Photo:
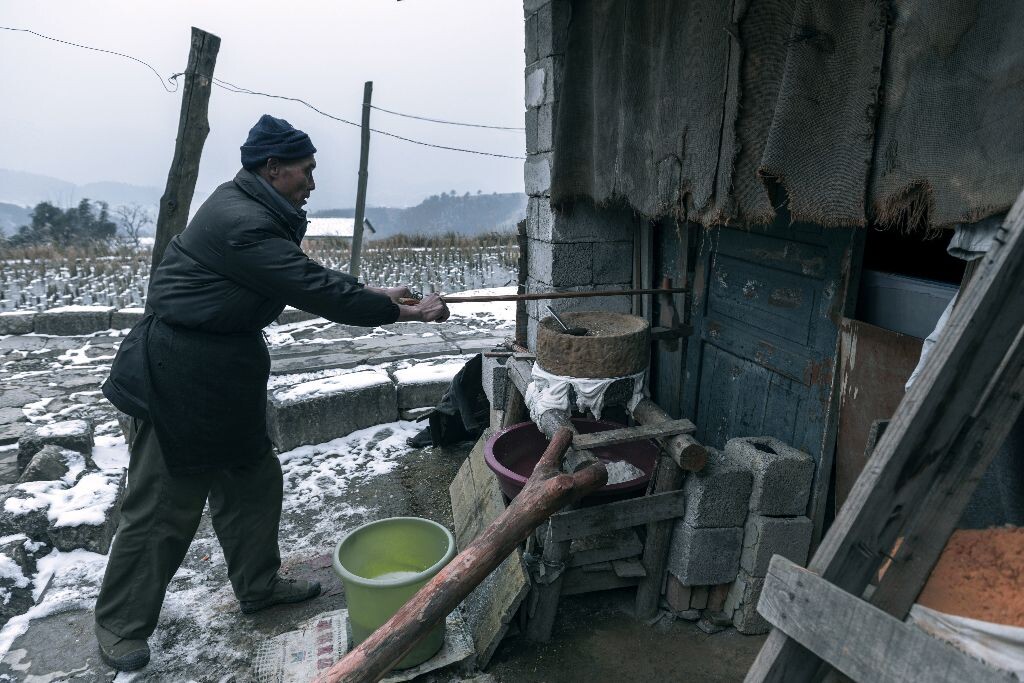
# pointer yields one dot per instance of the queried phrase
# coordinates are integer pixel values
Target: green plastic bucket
(382, 565)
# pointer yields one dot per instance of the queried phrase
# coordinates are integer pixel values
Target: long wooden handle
(544, 296)
(546, 492)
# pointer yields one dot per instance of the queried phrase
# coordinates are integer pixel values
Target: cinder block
(532, 6)
(68, 321)
(535, 86)
(494, 377)
(563, 265)
(699, 597)
(17, 322)
(613, 262)
(531, 48)
(553, 27)
(539, 219)
(718, 495)
(587, 223)
(702, 557)
(767, 536)
(537, 175)
(615, 304)
(782, 475)
(531, 132)
(294, 315)
(75, 435)
(677, 595)
(423, 385)
(544, 140)
(742, 604)
(123, 318)
(318, 411)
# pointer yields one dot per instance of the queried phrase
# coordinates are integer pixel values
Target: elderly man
(193, 377)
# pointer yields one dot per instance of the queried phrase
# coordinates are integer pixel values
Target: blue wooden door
(765, 309)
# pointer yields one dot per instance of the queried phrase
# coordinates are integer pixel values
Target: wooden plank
(874, 365)
(614, 545)
(476, 502)
(578, 581)
(565, 526)
(924, 440)
(638, 433)
(688, 453)
(667, 478)
(632, 568)
(926, 536)
(861, 641)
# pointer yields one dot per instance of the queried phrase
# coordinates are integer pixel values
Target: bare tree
(133, 219)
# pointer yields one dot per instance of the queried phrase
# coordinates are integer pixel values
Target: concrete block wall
(588, 248)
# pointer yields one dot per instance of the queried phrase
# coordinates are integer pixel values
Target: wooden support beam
(924, 441)
(193, 127)
(621, 514)
(688, 453)
(667, 478)
(859, 640)
(627, 434)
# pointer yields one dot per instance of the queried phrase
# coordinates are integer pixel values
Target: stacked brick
(589, 248)
(745, 506)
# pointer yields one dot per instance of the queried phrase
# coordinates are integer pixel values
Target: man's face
(292, 178)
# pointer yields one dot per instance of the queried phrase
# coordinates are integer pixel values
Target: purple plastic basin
(513, 452)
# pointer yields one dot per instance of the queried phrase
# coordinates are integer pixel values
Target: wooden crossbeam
(924, 442)
(860, 640)
(627, 434)
(565, 526)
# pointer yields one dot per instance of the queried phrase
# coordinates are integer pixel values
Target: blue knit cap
(277, 138)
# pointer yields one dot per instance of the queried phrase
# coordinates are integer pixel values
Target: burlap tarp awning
(905, 112)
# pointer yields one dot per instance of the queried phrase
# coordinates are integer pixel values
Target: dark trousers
(159, 518)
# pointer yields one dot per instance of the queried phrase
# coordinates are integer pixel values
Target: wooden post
(667, 477)
(193, 127)
(522, 319)
(364, 155)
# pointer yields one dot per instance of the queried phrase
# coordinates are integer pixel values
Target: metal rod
(542, 296)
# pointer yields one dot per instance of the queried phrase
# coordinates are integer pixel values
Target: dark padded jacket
(197, 367)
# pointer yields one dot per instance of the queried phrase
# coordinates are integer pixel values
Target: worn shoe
(285, 591)
(122, 654)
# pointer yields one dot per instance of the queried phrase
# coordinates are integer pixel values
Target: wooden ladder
(907, 501)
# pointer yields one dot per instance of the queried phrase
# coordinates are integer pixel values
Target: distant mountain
(28, 189)
(13, 217)
(468, 214)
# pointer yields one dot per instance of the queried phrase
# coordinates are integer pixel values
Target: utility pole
(193, 127)
(364, 154)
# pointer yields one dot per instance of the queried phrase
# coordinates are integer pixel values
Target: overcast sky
(84, 116)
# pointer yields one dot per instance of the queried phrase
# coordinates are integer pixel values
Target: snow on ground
(328, 488)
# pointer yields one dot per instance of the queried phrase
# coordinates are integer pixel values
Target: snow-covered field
(329, 488)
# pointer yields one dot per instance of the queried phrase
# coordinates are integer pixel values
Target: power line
(450, 123)
(231, 87)
(97, 49)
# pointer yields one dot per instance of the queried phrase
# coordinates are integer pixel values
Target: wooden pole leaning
(938, 429)
(546, 491)
(364, 160)
(193, 127)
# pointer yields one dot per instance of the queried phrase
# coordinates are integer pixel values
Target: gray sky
(84, 116)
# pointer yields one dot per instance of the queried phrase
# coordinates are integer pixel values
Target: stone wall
(588, 248)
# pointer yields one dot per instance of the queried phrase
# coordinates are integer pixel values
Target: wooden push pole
(546, 492)
(193, 127)
(364, 154)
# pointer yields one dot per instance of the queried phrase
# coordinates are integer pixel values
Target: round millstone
(616, 345)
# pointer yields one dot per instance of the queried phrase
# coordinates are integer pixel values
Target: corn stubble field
(38, 278)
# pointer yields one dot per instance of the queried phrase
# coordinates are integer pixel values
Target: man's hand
(430, 309)
(393, 293)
